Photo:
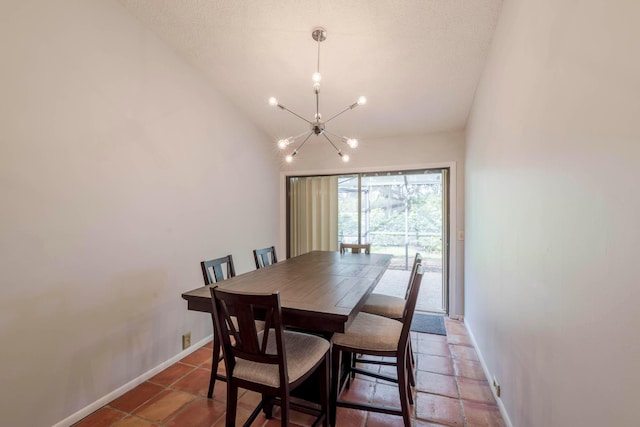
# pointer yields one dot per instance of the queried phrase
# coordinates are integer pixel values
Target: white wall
(552, 208)
(397, 153)
(120, 170)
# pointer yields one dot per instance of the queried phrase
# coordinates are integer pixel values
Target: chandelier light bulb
(345, 158)
(362, 100)
(316, 77)
(273, 101)
(282, 144)
(289, 157)
(353, 143)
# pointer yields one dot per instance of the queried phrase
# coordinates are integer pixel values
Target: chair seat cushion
(385, 305)
(370, 332)
(303, 351)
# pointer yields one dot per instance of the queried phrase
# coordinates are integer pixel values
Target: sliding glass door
(399, 213)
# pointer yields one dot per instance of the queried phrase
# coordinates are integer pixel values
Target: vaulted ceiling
(418, 62)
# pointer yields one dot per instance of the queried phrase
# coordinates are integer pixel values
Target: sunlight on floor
(394, 282)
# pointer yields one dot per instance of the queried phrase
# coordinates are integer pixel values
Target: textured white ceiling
(417, 61)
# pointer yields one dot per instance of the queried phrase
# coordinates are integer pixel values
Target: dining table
(320, 291)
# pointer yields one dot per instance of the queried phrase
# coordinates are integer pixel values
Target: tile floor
(451, 390)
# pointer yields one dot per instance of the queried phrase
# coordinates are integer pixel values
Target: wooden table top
(320, 291)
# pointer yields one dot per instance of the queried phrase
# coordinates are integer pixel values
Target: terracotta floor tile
(437, 364)
(386, 395)
(133, 421)
(249, 399)
(439, 409)
(346, 417)
(463, 352)
(296, 419)
(171, 374)
(468, 369)
(273, 422)
(455, 326)
(164, 405)
(475, 390)
(242, 415)
(459, 339)
(433, 348)
(360, 391)
(198, 357)
(176, 396)
(195, 382)
(370, 366)
(437, 384)
(200, 413)
(390, 371)
(136, 397)
(433, 337)
(103, 417)
(421, 423)
(368, 378)
(376, 419)
(301, 419)
(219, 391)
(479, 415)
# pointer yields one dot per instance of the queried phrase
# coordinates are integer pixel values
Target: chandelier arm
(341, 138)
(295, 114)
(331, 142)
(303, 142)
(350, 107)
(300, 134)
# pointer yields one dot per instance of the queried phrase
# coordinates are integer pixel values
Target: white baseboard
(503, 410)
(92, 407)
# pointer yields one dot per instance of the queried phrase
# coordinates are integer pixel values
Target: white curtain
(313, 214)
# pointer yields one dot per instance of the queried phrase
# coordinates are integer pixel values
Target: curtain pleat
(314, 214)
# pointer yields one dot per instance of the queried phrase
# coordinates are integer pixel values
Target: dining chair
(272, 361)
(265, 257)
(355, 248)
(377, 336)
(215, 271)
(393, 308)
(388, 305)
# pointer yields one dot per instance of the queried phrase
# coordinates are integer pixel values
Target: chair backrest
(264, 257)
(417, 260)
(410, 305)
(249, 343)
(355, 248)
(213, 271)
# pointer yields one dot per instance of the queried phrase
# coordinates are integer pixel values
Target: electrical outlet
(186, 340)
(496, 386)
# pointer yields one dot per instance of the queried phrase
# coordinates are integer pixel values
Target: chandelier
(317, 125)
